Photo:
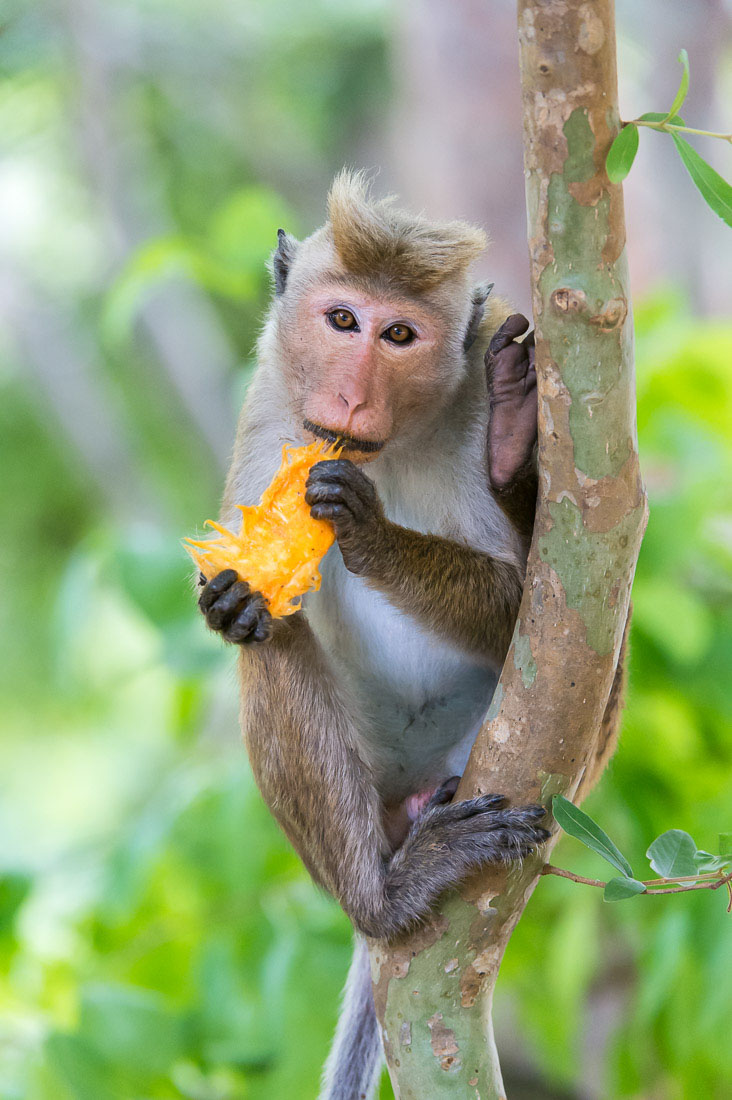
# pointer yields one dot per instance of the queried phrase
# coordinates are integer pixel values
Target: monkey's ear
(282, 258)
(478, 299)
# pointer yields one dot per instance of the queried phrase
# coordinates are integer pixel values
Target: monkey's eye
(343, 319)
(398, 334)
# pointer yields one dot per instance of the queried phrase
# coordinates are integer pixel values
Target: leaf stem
(711, 880)
(550, 869)
(683, 878)
(669, 127)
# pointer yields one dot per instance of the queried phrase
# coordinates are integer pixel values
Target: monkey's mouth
(348, 442)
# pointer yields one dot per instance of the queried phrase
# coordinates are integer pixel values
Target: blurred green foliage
(158, 938)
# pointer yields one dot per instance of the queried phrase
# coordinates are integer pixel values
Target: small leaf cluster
(715, 190)
(673, 855)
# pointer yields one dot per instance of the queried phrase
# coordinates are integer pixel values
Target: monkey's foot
(512, 393)
(234, 611)
(443, 846)
(479, 830)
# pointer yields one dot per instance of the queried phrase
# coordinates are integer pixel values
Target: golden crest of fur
(373, 235)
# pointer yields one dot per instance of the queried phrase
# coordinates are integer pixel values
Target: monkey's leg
(304, 748)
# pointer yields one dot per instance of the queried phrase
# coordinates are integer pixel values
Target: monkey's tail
(354, 1064)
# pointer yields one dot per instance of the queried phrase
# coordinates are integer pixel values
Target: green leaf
(725, 845)
(581, 826)
(621, 154)
(617, 889)
(715, 190)
(683, 86)
(705, 861)
(672, 854)
(659, 116)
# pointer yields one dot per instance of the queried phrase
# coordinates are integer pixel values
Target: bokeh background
(158, 938)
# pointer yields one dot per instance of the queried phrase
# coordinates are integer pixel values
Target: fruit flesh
(280, 546)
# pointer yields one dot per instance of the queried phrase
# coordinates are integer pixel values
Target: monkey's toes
(483, 804)
(445, 792)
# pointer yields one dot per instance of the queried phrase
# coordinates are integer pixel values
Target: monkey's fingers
(512, 327)
(215, 587)
(228, 604)
(253, 623)
(343, 477)
(335, 493)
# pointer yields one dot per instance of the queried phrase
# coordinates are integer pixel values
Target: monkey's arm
(468, 596)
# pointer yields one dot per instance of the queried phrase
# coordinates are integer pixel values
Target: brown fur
(374, 236)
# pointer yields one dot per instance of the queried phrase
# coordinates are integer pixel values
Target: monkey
(359, 711)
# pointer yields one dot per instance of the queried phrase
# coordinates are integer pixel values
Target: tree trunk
(434, 988)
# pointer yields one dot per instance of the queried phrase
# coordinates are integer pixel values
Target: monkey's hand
(339, 491)
(233, 610)
(511, 378)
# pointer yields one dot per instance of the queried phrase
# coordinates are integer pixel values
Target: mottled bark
(434, 989)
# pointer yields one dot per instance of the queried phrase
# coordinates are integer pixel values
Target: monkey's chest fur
(418, 702)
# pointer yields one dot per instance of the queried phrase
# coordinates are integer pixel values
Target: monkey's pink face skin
(361, 365)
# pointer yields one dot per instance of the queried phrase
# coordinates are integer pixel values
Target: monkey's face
(362, 367)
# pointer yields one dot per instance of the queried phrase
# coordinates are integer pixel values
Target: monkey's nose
(352, 406)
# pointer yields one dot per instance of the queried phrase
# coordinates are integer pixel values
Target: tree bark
(434, 989)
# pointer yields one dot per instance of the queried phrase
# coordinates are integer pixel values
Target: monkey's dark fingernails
(530, 340)
(215, 587)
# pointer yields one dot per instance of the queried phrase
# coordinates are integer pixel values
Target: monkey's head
(371, 319)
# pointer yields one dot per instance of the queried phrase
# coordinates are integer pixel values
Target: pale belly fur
(417, 701)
